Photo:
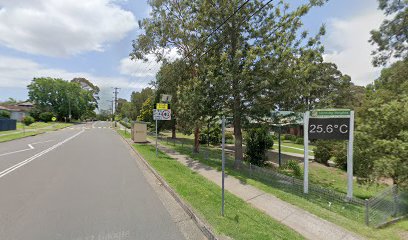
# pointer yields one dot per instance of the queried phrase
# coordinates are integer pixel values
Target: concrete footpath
(305, 223)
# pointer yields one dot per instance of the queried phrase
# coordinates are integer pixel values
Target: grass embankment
(348, 216)
(241, 221)
(34, 129)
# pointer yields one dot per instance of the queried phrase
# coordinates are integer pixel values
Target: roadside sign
(329, 124)
(54, 119)
(162, 106)
(162, 114)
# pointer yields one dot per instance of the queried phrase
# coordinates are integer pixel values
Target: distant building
(19, 110)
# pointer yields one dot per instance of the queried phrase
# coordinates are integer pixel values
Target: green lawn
(34, 129)
(336, 179)
(241, 221)
(349, 216)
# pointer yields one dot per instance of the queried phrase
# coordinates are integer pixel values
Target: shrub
(229, 137)
(289, 137)
(4, 114)
(258, 141)
(28, 120)
(46, 116)
(322, 151)
(339, 155)
(214, 135)
(294, 167)
(299, 140)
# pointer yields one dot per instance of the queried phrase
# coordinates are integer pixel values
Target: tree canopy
(61, 98)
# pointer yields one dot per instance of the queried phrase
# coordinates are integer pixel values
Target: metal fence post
(250, 169)
(395, 199)
(367, 214)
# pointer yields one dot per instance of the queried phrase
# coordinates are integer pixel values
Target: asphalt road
(79, 183)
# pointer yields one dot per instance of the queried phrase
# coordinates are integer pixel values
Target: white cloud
(347, 45)
(62, 28)
(139, 68)
(18, 72)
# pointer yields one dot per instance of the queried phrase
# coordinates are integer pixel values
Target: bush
(214, 135)
(323, 151)
(258, 141)
(299, 140)
(289, 137)
(4, 114)
(331, 150)
(46, 116)
(339, 155)
(294, 167)
(229, 137)
(28, 120)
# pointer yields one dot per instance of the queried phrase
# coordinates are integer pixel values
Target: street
(77, 183)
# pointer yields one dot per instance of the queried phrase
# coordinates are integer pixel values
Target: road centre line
(18, 165)
(23, 150)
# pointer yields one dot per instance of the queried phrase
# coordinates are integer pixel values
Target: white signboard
(162, 114)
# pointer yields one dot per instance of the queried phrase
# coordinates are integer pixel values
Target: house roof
(14, 108)
(4, 108)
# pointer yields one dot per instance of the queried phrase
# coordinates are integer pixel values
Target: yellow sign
(54, 119)
(162, 106)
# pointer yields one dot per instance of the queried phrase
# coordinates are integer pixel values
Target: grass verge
(348, 216)
(33, 129)
(241, 221)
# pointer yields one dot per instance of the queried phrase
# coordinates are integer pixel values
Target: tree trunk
(237, 133)
(196, 140)
(173, 129)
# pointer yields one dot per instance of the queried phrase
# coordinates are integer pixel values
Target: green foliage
(46, 116)
(61, 97)
(146, 113)
(323, 151)
(28, 120)
(289, 137)
(229, 137)
(214, 134)
(299, 140)
(258, 59)
(4, 114)
(392, 37)
(294, 168)
(382, 128)
(258, 141)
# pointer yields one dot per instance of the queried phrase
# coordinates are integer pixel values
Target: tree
(392, 37)
(240, 61)
(382, 128)
(60, 97)
(138, 98)
(146, 113)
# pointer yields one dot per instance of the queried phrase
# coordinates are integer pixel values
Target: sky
(92, 39)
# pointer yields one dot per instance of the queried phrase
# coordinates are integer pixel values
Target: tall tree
(61, 97)
(240, 59)
(382, 127)
(392, 37)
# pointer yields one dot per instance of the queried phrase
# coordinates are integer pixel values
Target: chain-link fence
(376, 211)
(390, 204)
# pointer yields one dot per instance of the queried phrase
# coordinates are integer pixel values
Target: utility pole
(116, 100)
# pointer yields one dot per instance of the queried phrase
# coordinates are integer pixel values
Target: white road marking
(93, 125)
(30, 147)
(18, 165)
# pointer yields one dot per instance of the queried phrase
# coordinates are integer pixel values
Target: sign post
(223, 163)
(329, 124)
(163, 113)
(350, 158)
(306, 152)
